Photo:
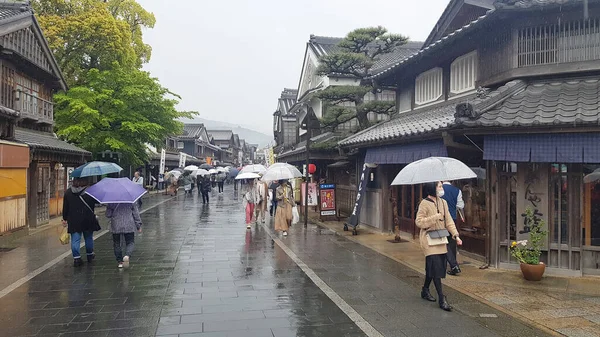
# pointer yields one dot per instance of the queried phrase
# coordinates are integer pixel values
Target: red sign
(327, 192)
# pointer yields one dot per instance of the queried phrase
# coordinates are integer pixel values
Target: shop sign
(327, 192)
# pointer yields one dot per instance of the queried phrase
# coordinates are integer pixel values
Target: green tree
(357, 53)
(121, 109)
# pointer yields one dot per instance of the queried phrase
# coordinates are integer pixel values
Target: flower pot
(532, 272)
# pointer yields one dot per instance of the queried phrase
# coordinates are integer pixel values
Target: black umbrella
(206, 166)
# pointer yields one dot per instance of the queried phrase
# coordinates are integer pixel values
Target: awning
(543, 148)
(405, 153)
(339, 164)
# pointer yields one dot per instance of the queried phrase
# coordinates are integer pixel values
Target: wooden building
(29, 78)
(513, 92)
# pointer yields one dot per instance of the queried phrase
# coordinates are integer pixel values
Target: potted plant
(528, 252)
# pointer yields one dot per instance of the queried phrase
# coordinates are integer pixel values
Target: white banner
(267, 158)
(163, 155)
(182, 157)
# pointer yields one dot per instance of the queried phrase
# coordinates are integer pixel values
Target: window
(428, 86)
(404, 103)
(463, 73)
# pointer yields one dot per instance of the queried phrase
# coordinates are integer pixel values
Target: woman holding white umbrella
(285, 202)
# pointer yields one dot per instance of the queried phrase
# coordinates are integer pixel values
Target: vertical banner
(312, 194)
(209, 160)
(271, 156)
(69, 177)
(327, 192)
(353, 221)
(163, 157)
(267, 153)
(182, 157)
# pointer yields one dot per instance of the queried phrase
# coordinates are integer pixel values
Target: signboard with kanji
(312, 194)
(327, 192)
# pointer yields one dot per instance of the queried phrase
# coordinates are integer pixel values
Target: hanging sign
(182, 157)
(353, 221)
(163, 157)
(327, 192)
(312, 194)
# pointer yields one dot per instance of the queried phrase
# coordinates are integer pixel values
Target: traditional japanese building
(514, 94)
(29, 77)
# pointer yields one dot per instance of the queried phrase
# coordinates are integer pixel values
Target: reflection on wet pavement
(195, 270)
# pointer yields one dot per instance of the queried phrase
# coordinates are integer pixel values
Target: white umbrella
(199, 172)
(433, 169)
(592, 177)
(281, 173)
(191, 168)
(247, 175)
(212, 171)
(175, 173)
(254, 168)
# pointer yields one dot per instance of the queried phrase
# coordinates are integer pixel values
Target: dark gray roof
(548, 102)
(10, 10)
(220, 134)
(9, 112)
(286, 101)
(192, 130)
(301, 147)
(524, 4)
(46, 141)
(323, 45)
(413, 123)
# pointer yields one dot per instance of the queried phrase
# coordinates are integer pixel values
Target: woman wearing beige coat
(285, 202)
(433, 215)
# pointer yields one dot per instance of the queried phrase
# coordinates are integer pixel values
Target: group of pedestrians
(81, 221)
(256, 197)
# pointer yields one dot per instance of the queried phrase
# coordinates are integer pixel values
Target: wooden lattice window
(463, 73)
(428, 86)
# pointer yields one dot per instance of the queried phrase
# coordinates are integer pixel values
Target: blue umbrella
(95, 168)
(233, 172)
(116, 191)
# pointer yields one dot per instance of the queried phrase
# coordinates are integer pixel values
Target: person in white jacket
(261, 195)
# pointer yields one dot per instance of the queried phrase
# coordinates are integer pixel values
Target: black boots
(454, 271)
(91, 257)
(77, 262)
(444, 304)
(426, 295)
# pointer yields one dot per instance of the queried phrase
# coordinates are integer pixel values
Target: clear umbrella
(247, 175)
(254, 168)
(592, 177)
(281, 173)
(199, 172)
(191, 168)
(433, 169)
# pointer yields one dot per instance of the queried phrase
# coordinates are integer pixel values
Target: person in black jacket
(204, 188)
(80, 219)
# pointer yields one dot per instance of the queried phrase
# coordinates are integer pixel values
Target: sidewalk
(42, 246)
(563, 306)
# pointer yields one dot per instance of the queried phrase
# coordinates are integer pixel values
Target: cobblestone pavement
(197, 271)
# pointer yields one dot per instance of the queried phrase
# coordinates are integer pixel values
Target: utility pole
(309, 113)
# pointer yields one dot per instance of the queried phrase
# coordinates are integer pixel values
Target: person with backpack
(435, 223)
(453, 197)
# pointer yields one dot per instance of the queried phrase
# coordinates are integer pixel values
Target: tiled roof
(286, 101)
(467, 28)
(413, 123)
(549, 102)
(323, 45)
(301, 147)
(192, 130)
(46, 141)
(220, 134)
(10, 10)
(523, 4)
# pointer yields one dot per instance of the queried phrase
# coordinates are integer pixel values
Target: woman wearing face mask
(433, 218)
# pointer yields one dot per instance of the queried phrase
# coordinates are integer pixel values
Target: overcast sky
(230, 60)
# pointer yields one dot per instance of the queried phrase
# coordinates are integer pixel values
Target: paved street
(196, 271)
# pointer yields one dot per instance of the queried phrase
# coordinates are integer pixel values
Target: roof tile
(45, 140)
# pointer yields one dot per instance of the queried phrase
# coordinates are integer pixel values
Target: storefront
(545, 172)
(14, 160)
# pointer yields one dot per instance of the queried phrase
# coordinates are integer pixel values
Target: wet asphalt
(197, 271)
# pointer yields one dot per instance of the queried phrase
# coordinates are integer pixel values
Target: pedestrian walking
(273, 190)
(453, 197)
(124, 222)
(186, 181)
(138, 179)
(161, 181)
(220, 181)
(285, 201)
(204, 188)
(80, 219)
(261, 197)
(248, 201)
(435, 222)
(213, 180)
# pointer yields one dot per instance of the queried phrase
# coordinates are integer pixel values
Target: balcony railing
(34, 108)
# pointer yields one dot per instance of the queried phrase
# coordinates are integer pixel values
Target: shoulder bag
(438, 237)
(96, 222)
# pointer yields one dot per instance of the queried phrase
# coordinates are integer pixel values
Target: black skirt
(435, 266)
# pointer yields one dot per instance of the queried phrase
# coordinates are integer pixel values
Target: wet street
(197, 271)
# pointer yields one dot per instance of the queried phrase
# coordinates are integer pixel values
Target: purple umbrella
(116, 191)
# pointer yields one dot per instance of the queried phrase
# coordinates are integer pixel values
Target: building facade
(512, 93)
